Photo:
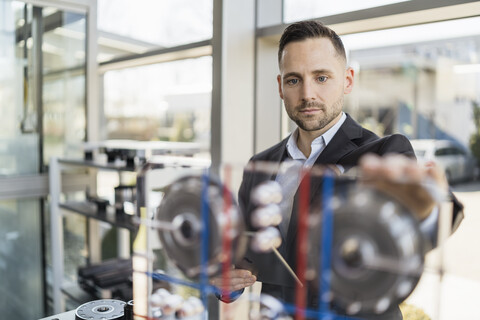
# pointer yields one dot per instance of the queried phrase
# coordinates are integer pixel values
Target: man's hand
(235, 279)
(417, 186)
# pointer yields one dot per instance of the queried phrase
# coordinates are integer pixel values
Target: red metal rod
(302, 244)
(144, 317)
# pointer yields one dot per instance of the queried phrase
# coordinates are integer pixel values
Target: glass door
(42, 114)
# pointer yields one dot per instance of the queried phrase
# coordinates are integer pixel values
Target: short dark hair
(302, 30)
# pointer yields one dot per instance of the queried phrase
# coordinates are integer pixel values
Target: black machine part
(181, 207)
(128, 310)
(377, 255)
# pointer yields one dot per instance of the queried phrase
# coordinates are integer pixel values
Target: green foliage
(475, 146)
(476, 115)
(475, 138)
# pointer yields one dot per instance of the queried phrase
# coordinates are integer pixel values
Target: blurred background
(204, 71)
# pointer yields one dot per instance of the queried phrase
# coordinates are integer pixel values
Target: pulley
(182, 207)
(377, 254)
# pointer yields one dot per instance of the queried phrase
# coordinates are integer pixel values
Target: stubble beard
(315, 122)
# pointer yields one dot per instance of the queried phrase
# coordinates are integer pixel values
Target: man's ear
(280, 90)
(349, 75)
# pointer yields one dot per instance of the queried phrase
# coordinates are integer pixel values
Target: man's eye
(322, 78)
(292, 81)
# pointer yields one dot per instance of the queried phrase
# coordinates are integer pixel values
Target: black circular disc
(181, 206)
(377, 253)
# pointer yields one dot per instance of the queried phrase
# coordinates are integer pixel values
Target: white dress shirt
(289, 173)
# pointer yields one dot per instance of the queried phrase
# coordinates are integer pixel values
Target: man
(313, 80)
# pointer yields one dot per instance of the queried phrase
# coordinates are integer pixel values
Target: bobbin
(105, 309)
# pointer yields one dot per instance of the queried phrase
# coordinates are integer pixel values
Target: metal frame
(217, 80)
(78, 6)
(57, 166)
(56, 235)
(37, 185)
(186, 51)
(56, 231)
(37, 36)
(391, 10)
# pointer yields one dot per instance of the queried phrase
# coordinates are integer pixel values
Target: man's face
(312, 82)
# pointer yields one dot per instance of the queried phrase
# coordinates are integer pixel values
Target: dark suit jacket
(346, 148)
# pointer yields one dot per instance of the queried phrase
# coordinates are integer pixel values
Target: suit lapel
(340, 145)
(280, 155)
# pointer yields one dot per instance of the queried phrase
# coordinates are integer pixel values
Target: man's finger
(233, 280)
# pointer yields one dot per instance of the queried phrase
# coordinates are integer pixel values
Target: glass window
(152, 24)
(442, 152)
(21, 283)
(64, 40)
(457, 151)
(64, 115)
(19, 138)
(64, 93)
(168, 101)
(420, 81)
(296, 10)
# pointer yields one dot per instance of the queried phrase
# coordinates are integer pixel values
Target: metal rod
(302, 243)
(327, 243)
(387, 264)
(37, 36)
(205, 236)
(157, 224)
(280, 257)
(226, 239)
(284, 262)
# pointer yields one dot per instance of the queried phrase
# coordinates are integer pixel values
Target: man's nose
(308, 91)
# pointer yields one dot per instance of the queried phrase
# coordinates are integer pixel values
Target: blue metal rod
(325, 255)
(309, 313)
(207, 289)
(210, 289)
(205, 234)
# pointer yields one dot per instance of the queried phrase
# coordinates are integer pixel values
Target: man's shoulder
(356, 132)
(364, 137)
(395, 143)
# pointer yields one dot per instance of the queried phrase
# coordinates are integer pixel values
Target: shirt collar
(292, 147)
(328, 136)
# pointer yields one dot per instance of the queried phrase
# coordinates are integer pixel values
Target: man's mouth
(309, 111)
